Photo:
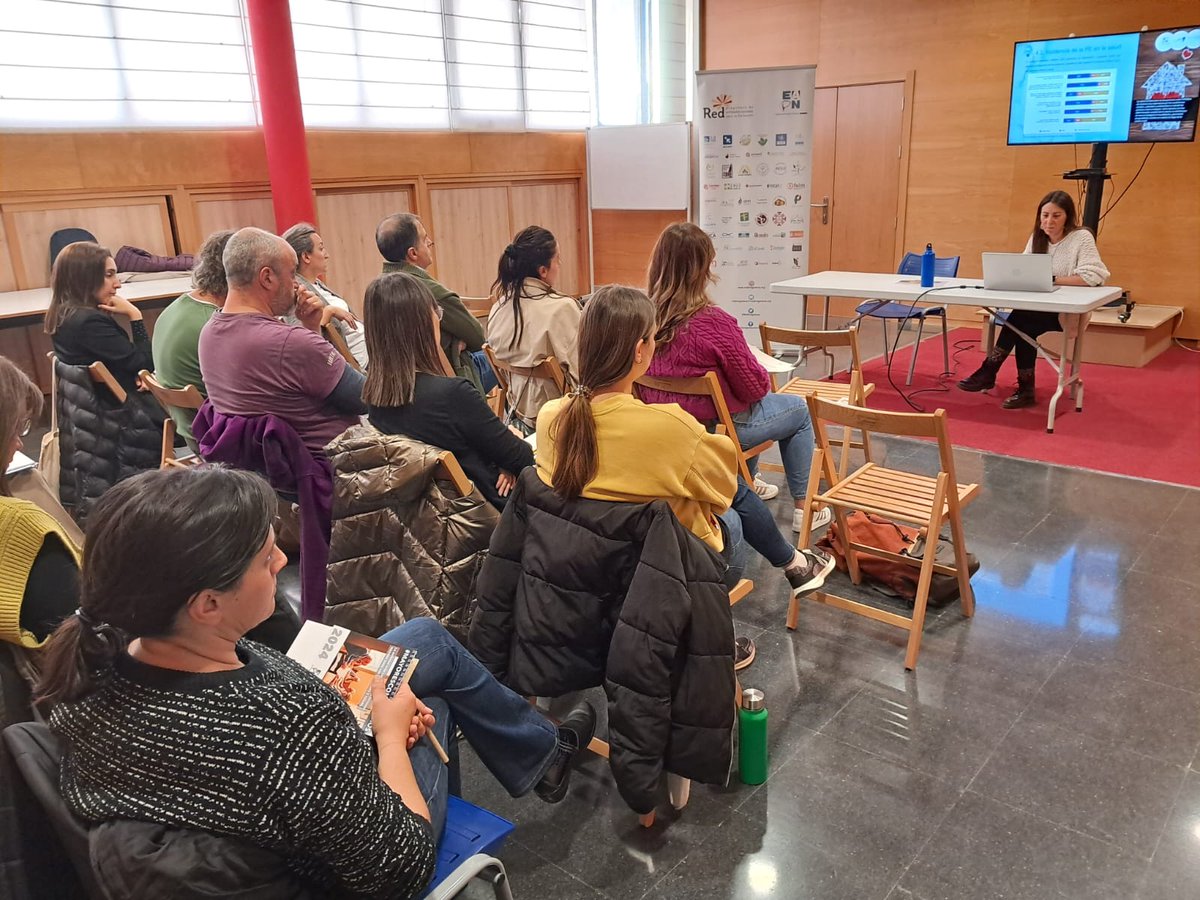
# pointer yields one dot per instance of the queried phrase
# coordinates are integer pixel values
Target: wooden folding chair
(708, 386)
(920, 500)
(855, 393)
(186, 397)
(679, 790)
(450, 470)
(549, 369)
(479, 307)
(332, 334)
(101, 375)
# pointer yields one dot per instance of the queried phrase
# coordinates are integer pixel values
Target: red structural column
(283, 120)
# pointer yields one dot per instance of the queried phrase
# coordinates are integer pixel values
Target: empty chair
(927, 502)
(944, 267)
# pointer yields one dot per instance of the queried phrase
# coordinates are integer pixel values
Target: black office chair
(65, 236)
(36, 753)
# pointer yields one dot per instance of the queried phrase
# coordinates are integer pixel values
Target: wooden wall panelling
(622, 241)
(470, 226)
(15, 344)
(138, 221)
(8, 277)
(968, 191)
(215, 212)
(554, 206)
(347, 220)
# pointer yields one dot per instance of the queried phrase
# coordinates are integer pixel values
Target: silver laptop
(1018, 272)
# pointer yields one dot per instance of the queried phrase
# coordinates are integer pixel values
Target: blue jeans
(483, 366)
(515, 741)
(759, 529)
(782, 418)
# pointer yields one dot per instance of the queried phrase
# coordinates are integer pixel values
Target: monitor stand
(1093, 177)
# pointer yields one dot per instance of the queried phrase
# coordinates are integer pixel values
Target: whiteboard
(639, 166)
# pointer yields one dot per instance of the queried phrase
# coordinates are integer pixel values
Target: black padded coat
(101, 441)
(574, 594)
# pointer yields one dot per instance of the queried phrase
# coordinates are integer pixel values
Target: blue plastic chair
(469, 839)
(943, 267)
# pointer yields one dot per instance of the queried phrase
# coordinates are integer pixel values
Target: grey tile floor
(1045, 748)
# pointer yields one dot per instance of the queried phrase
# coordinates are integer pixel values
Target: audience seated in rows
(696, 336)
(312, 266)
(255, 365)
(531, 321)
(83, 301)
(406, 247)
(176, 339)
(408, 393)
(233, 738)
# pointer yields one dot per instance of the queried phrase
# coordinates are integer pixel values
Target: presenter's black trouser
(1031, 323)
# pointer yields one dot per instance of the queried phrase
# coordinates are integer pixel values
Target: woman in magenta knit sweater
(696, 336)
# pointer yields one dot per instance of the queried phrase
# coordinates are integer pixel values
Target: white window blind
(420, 64)
(72, 63)
(462, 64)
(642, 61)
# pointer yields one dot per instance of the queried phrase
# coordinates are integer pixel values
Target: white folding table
(1067, 300)
(28, 307)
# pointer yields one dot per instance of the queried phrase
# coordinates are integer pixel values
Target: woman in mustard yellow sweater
(602, 443)
(39, 563)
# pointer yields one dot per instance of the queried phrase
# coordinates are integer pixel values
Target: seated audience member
(39, 562)
(531, 321)
(255, 365)
(1074, 260)
(176, 339)
(407, 392)
(406, 247)
(233, 738)
(312, 266)
(83, 300)
(602, 443)
(697, 336)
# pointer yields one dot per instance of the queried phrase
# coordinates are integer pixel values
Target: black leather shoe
(575, 732)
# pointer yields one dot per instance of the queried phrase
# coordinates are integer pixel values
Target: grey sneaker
(809, 575)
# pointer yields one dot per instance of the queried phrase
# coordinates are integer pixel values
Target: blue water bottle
(927, 259)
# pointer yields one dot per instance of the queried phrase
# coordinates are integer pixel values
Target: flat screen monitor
(1138, 87)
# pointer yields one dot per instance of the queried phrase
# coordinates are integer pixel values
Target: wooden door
(857, 154)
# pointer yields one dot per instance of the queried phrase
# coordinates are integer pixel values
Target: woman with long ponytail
(531, 320)
(602, 443)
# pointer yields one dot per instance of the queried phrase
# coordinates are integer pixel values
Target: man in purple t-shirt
(253, 364)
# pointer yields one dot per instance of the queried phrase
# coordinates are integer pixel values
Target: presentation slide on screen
(1118, 87)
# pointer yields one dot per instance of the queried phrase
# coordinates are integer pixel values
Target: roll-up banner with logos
(753, 132)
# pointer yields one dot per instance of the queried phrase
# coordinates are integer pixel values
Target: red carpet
(1140, 422)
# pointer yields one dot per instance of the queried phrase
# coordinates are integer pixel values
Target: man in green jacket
(406, 247)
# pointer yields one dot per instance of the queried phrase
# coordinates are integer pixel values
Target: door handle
(824, 208)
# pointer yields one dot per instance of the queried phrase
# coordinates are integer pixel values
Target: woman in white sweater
(1075, 261)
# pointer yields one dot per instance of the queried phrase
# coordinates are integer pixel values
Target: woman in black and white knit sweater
(168, 715)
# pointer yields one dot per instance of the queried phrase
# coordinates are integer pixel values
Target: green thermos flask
(752, 737)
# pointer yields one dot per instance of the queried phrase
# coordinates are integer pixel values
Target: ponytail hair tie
(581, 391)
(510, 251)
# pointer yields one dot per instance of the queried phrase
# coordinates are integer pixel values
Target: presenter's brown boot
(984, 377)
(1023, 395)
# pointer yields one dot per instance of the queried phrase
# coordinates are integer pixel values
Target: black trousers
(1031, 323)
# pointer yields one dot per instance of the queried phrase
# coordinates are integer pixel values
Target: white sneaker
(765, 489)
(821, 518)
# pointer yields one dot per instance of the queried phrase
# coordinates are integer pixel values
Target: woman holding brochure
(1075, 261)
(167, 714)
